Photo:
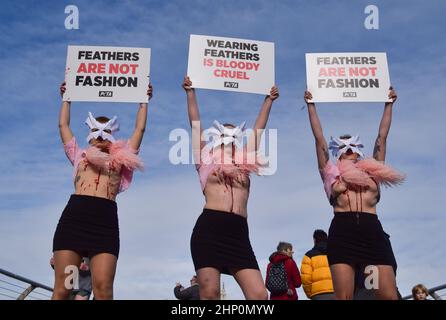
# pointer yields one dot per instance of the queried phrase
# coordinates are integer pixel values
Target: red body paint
(97, 180)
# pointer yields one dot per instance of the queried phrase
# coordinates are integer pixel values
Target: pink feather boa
(119, 155)
(244, 165)
(357, 173)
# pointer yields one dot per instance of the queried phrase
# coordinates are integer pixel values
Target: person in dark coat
(191, 293)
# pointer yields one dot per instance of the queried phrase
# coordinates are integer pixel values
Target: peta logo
(350, 94)
(106, 94)
(231, 84)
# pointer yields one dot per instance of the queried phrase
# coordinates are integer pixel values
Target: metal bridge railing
(20, 288)
(13, 286)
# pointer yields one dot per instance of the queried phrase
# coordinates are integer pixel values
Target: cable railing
(27, 289)
(15, 287)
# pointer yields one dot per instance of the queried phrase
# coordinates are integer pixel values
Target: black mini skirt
(221, 240)
(88, 226)
(358, 239)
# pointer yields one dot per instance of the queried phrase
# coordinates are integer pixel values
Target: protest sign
(348, 77)
(231, 64)
(111, 74)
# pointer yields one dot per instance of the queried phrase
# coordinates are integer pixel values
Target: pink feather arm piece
(382, 173)
(120, 155)
(352, 174)
(329, 175)
(97, 158)
(358, 173)
(123, 155)
(244, 165)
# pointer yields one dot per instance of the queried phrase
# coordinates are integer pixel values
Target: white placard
(231, 64)
(348, 76)
(107, 74)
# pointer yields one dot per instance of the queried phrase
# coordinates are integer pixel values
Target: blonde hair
(284, 246)
(419, 287)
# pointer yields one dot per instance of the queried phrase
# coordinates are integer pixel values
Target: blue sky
(155, 231)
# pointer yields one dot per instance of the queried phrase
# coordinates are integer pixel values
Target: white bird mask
(340, 146)
(111, 125)
(223, 135)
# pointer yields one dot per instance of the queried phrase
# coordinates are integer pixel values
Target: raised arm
(64, 118)
(321, 143)
(192, 105)
(141, 121)
(263, 116)
(194, 114)
(379, 151)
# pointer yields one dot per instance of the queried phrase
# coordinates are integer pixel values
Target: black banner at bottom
(227, 309)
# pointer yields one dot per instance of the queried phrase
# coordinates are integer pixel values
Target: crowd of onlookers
(283, 276)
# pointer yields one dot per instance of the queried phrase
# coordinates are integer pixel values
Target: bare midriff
(91, 181)
(229, 197)
(358, 199)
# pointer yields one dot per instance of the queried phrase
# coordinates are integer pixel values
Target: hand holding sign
(150, 91)
(308, 97)
(392, 95)
(274, 93)
(187, 84)
(63, 88)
